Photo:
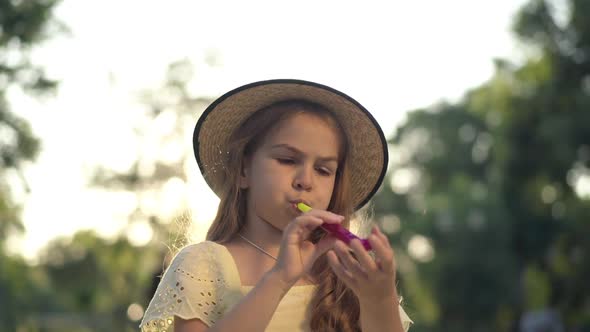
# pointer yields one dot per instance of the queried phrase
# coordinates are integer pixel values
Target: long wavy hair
(334, 305)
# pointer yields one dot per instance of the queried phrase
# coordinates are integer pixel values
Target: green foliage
(96, 279)
(88, 283)
(83, 283)
(23, 25)
(496, 187)
(23, 289)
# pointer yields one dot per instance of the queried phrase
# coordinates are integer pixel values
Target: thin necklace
(257, 247)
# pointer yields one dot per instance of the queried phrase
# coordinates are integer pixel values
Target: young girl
(266, 266)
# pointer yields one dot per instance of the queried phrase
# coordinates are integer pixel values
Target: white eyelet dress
(203, 282)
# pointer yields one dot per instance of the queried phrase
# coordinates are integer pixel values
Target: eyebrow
(297, 151)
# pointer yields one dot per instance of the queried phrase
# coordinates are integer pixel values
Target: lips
(293, 204)
(297, 201)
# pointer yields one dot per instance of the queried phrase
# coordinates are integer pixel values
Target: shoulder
(205, 261)
(205, 248)
(202, 251)
(199, 283)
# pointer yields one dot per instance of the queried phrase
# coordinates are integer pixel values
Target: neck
(262, 233)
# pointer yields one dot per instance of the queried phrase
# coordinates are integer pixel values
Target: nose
(303, 179)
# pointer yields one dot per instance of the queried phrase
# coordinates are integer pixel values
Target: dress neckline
(234, 270)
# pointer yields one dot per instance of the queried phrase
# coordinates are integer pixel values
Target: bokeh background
(486, 106)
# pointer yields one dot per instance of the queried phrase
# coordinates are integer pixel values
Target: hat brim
(368, 147)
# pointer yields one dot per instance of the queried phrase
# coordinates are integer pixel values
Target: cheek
(266, 180)
(327, 190)
(267, 175)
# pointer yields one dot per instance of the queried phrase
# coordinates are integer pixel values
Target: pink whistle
(338, 231)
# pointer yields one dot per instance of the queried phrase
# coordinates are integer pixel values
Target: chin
(279, 222)
(281, 226)
(282, 223)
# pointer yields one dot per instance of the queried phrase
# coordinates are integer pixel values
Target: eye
(324, 171)
(286, 161)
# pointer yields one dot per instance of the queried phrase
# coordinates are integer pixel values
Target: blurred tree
(88, 283)
(97, 284)
(23, 25)
(165, 135)
(23, 289)
(494, 191)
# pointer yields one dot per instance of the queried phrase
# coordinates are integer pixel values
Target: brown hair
(334, 306)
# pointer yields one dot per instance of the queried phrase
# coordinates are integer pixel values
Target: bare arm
(381, 316)
(252, 313)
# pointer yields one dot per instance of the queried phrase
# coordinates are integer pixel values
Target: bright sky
(392, 56)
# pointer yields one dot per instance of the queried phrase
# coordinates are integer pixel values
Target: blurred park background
(487, 199)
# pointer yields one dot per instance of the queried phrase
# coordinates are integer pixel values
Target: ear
(244, 177)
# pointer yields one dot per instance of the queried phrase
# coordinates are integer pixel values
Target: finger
(375, 230)
(383, 253)
(339, 269)
(380, 234)
(302, 226)
(349, 262)
(308, 222)
(327, 216)
(363, 257)
(384, 238)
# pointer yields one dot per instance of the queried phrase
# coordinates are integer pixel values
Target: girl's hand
(297, 254)
(370, 279)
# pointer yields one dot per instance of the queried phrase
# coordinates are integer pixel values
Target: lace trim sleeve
(406, 321)
(196, 285)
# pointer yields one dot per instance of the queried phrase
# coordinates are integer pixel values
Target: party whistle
(339, 232)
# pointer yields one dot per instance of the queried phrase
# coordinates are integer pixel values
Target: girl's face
(296, 162)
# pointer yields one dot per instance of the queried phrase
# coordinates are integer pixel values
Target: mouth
(297, 201)
(294, 203)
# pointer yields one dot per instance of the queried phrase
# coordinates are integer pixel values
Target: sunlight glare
(420, 248)
(139, 233)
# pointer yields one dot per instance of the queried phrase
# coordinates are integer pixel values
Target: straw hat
(368, 148)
